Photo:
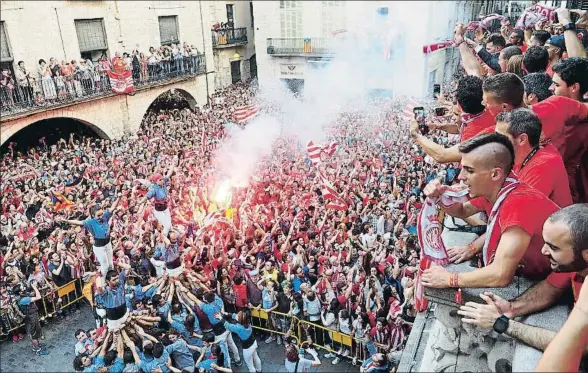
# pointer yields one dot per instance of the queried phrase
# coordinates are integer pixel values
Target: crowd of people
(55, 81)
(180, 274)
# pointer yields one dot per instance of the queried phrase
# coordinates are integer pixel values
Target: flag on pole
(307, 45)
(315, 151)
(244, 113)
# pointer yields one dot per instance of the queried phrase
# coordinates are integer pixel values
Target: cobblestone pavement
(59, 339)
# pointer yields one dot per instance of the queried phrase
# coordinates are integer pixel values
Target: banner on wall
(291, 69)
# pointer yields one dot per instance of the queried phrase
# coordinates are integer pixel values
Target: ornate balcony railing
(229, 37)
(311, 46)
(85, 85)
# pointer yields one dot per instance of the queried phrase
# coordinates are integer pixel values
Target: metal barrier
(51, 303)
(322, 337)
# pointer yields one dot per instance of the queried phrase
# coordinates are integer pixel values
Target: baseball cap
(558, 42)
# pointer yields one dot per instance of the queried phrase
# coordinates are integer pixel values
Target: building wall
(114, 115)
(44, 29)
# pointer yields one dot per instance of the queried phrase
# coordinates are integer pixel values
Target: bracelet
(454, 280)
(472, 248)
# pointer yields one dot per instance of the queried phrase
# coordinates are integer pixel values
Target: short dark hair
(496, 39)
(521, 121)
(469, 94)
(209, 297)
(573, 70)
(576, 218)
(538, 84)
(19, 62)
(542, 36)
(157, 350)
(110, 274)
(491, 138)
(507, 87)
(510, 51)
(109, 357)
(77, 363)
(536, 59)
(78, 332)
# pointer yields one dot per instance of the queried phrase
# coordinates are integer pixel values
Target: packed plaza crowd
(178, 274)
(54, 81)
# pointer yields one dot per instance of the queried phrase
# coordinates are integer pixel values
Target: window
(230, 15)
(91, 35)
(168, 30)
(291, 19)
(332, 17)
(5, 54)
(432, 80)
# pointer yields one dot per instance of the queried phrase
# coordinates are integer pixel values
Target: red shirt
(545, 171)
(472, 126)
(555, 112)
(528, 209)
(565, 280)
(576, 160)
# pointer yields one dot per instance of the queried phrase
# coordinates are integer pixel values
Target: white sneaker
(279, 340)
(330, 355)
(346, 352)
(354, 361)
(269, 340)
(336, 361)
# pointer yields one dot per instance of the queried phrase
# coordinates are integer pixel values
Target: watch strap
(570, 26)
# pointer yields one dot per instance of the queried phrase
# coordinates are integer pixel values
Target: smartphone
(436, 91)
(419, 113)
(440, 111)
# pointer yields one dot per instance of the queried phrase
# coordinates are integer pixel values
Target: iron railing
(227, 37)
(89, 84)
(320, 46)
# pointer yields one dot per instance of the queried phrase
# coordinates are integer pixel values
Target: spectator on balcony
(566, 245)
(104, 66)
(86, 77)
(77, 77)
(516, 214)
(136, 65)
(60, 85)
(54, 66)
(166, 58)
(7, 86)
(540, 167)
(67, 74)
(178, 58)
(45, 75)
(25, 83)
(144, 76)
(153, 60)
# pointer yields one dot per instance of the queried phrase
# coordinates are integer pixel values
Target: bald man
(516, 213)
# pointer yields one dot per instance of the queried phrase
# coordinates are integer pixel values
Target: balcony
(229, 37)
(89, 85)
(302, 46)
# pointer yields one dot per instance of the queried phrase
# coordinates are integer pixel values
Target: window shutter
(168, 29)
(5, 54)
(91, 36)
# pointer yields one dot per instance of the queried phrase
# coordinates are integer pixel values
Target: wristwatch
(570, 26)
(501, 324)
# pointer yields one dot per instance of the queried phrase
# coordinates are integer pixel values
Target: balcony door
(235, 71)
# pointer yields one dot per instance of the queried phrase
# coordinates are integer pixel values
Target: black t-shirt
(283, 303)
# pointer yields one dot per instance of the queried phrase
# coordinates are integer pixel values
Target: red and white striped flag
(314, 151)
(244, 113)
(333, 201)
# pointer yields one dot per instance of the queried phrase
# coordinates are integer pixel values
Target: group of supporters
(326, 245)
(523, 154)
(56, 81)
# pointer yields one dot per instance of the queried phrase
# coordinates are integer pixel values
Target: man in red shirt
(505, 92)
(571, 80)
(566, 245)
(538, 166)
(516, 215)
(471, 121)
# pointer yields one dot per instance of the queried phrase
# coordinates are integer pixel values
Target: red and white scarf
(510, 184)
